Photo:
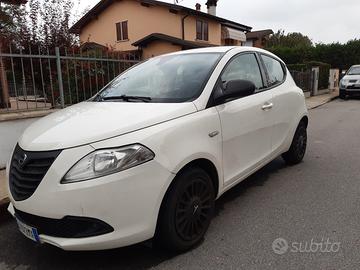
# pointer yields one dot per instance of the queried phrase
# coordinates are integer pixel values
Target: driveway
(313, 207)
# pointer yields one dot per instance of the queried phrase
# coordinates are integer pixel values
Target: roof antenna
(177, 1)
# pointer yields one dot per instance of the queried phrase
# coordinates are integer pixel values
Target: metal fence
(303, 79)
(56, 78)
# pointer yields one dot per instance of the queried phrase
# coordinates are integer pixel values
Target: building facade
(153, 27)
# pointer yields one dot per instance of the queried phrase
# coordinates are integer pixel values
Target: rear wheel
(297, 149)
(186, 211)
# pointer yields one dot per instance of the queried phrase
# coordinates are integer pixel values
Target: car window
(244, 67)
(165, 79)
(354, 71)
(274, 69)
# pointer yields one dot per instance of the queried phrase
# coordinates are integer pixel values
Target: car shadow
(140, 256)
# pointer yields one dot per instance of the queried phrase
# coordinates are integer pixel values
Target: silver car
(350, 83)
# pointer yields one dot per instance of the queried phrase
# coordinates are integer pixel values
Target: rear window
(275, 70)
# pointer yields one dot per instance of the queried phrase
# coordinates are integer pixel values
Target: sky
(323, 21)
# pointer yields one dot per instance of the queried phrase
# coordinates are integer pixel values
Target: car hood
(89, 122)
(351, 77)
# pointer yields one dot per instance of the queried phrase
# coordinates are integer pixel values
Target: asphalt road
(314, 207)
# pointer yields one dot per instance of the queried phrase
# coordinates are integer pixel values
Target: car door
(246, 122)
(284, 113)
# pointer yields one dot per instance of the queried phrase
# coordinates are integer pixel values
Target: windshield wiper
(126, 98)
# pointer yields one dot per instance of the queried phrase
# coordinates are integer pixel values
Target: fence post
(59, 72)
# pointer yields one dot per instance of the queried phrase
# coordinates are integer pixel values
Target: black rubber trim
(67, 227)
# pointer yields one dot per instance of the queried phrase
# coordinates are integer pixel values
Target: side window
(274, 69)
(122, 31)
(244, 67)
(202, 30)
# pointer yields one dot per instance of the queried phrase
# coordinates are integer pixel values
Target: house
(153, 27)
(258, 38)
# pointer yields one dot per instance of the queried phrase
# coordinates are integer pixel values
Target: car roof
(224, 49)
(218, 49)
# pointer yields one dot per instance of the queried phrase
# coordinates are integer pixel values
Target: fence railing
(58, 78)
(303, 79)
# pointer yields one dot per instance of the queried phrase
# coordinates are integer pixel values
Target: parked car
(350, 83)
(149, 154)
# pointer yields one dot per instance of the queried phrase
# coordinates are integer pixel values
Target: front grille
(27, 170)
(67, 227)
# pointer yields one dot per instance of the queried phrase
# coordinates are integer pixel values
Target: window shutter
(199, 26)
(125, 30)
(206, 31)
(118, 31)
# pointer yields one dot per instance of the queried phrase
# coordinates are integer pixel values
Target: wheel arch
(305, 119)
(208, 166)
(203, 163)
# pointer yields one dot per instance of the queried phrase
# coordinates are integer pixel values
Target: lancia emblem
(22, 160)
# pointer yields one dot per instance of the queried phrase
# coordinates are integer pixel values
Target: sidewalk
(312, 102)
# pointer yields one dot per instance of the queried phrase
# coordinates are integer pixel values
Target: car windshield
(354, 71)
(172, 78)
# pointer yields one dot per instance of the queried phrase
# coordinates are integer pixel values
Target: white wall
(10, 131)
(249, 43)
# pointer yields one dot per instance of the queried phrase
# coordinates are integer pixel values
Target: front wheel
(297, 149)
(342, 94)
(186, 211)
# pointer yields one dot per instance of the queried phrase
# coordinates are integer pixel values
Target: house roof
(176, 41)
(103, 4)
(259, 34)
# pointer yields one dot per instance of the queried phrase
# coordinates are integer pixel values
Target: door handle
(267, 106)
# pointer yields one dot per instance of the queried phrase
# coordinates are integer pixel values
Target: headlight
(107, 161)
(344, 83)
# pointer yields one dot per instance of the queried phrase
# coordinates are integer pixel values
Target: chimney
(198, 7)
(211, 6)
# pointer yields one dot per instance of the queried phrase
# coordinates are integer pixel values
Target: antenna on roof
(177, 1)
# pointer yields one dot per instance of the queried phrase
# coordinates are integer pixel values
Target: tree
(289, 40)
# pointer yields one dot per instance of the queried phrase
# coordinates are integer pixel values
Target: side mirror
(236, 89)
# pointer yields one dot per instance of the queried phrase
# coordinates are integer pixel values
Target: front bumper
(352, 90)
(128, 201)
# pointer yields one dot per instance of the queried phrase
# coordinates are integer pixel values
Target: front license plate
(28, 231)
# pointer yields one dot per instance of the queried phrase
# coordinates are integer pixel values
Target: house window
(122, 31)
(202, 30)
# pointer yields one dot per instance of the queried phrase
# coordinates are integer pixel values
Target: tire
(186, 211)
(297, 149)
(342, 94)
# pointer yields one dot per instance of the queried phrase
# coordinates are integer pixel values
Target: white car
(350, 83)
(149, 154)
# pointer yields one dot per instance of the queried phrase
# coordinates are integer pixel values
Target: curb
(325, 102)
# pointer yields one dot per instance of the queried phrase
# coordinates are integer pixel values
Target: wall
(158, 48)
(142, 21)
(249, 43)
(10, 131)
